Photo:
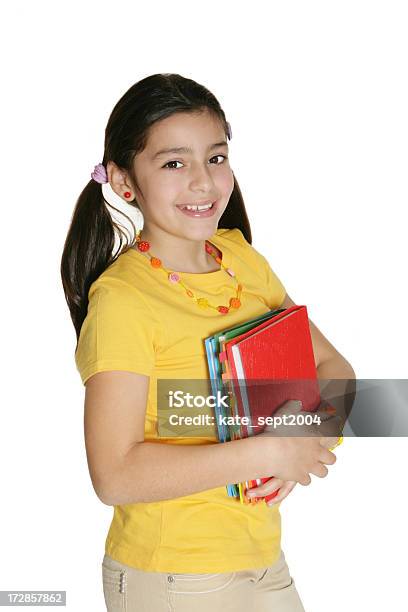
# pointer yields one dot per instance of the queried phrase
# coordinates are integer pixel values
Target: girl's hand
(295, 457)
(285, 486)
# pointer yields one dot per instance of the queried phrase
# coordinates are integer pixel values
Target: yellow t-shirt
(139, 321)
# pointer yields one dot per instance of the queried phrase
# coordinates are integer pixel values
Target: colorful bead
(230, 272)
(234, 302)
(174, 277)
(203, 302)
(190, 293)
(222, 309)
(218, 259)
(155, 262)
(143, 245)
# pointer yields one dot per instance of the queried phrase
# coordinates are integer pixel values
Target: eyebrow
(223, 143)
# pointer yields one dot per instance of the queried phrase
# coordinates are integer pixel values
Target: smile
(198, 210)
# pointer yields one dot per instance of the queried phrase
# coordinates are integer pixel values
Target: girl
(176, 541)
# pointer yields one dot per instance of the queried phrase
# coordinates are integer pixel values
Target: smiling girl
(177, 541)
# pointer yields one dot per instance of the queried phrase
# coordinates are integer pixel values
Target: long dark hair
(88, 248)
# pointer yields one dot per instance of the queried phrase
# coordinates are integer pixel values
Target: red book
(270, 364)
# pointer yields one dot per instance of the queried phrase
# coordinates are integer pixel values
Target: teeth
(205, 207)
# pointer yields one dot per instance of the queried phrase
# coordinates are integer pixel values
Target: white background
(316, 94)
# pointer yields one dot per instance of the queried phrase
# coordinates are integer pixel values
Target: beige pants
(268, 589)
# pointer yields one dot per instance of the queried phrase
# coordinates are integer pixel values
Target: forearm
(153, 471)
(337, 385)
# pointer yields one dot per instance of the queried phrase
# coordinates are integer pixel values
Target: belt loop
(122, 582)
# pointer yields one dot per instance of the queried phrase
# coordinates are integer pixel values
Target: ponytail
(88, 249)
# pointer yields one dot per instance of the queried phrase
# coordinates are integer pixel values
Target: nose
(200, 179)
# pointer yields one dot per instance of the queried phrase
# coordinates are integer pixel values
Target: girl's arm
(125, 469)
(155, 471)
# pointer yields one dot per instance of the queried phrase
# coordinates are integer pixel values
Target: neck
(180, 254)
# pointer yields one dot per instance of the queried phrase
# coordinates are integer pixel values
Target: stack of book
(257, 366)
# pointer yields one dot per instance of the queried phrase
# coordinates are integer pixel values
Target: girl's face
(197, 173)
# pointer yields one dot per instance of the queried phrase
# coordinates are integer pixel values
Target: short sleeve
(118, 332)
(275, 288)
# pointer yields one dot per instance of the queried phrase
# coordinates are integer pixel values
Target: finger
(266, 488)
(305, 480)
(339, 441)
(326, 425)
(320, 470)
(284, 491)
(326, 456)
(329, 441)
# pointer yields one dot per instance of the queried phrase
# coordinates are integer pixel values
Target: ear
(118, 180)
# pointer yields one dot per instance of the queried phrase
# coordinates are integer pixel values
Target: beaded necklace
(174, 277)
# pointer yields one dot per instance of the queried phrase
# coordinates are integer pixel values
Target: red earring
(127, 194)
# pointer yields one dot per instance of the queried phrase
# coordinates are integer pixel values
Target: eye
(175, 161)
(171, 162)
(224, 156)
